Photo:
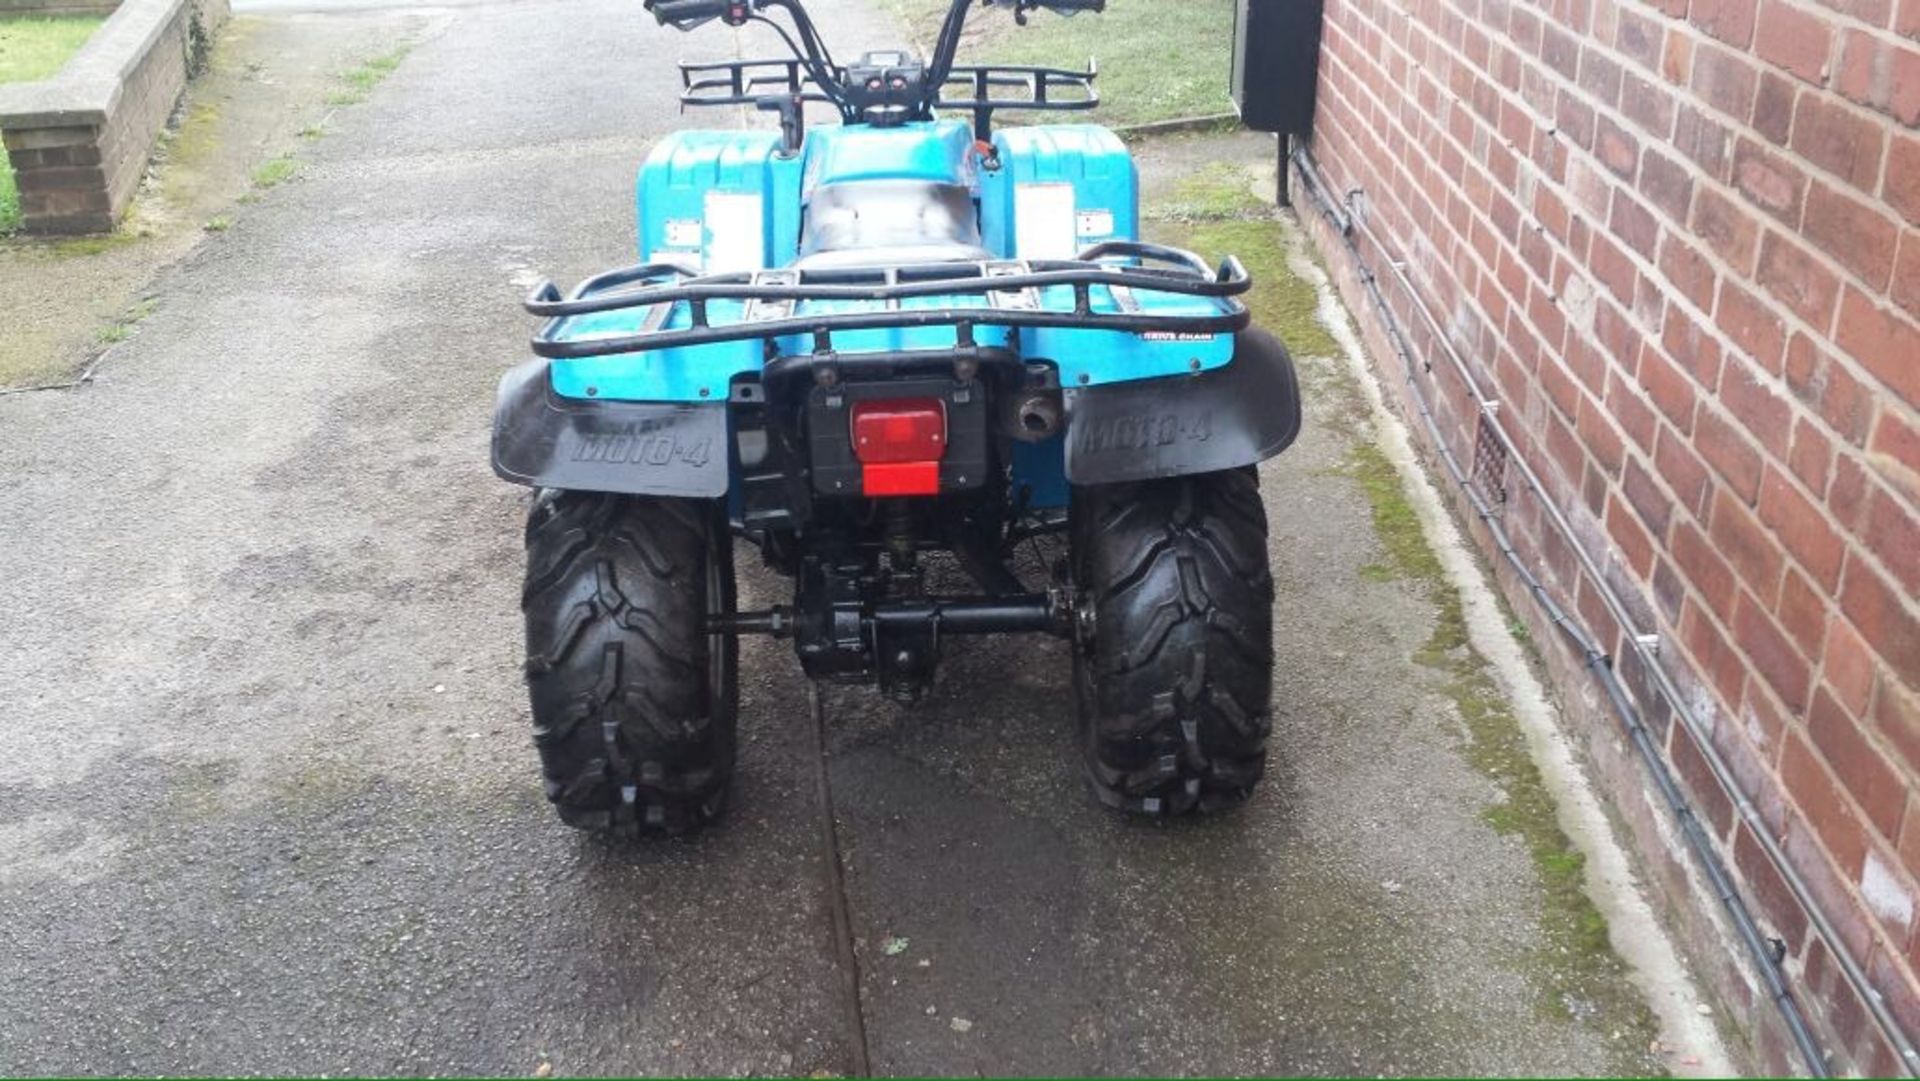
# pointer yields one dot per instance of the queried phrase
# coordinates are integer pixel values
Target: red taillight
(899, 442)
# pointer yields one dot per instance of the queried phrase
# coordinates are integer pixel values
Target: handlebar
(920, 83)
(686, 14)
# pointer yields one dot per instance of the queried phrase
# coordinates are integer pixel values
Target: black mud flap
(639, 448)
(1239, 414)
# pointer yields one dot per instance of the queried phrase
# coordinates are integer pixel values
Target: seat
(866, 223)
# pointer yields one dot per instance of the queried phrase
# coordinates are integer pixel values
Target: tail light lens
(899, 442)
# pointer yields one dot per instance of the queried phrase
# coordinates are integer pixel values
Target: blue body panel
(722, 201)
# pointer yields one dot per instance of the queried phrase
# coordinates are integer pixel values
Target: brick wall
(79, 142)
(1679, 239)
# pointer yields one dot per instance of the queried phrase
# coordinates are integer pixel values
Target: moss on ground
(1215, 213)
(1582, 975)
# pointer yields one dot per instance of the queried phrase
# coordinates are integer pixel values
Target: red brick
(1793, 39)
(1906, 274)
(1727, 227)
(1895, 447)
(1638, 38)
(1847, 495)
(1828, 388)
(1798, 280)
(1764, 414)
(1881, 73)
(1612, 268)
(1573, 117)
(1777, 903)
(1701, 785)
(1647, 103)
(1802, 613)
(1774, 656)
(1893, 533)
(1693, 347)
(1860, 237)
(1729, 20)
(1871, 11)
(1702, 566)
(1599, 76)
(1896, 713)
(1684, 473)
(1862, 770)
(1602, 439)
(1649, 501)
(1839, 140)
(1616, 148)
(1635, 416)
(1751, 324)
(1630, 537)
(1770, 181)
(1847, 667)
(1803, 528)
(1822, 804)
(1710, 649)
(1666, 184)
(1773, 107)
(1746, 546)
(1704, 141)
(1560, 51)
(1725, 80)
(1877, 608)
(1902, 189)
(1810, 455)
(1634, 224)
(1885, 343)
(1908, 22)
(1686, 269)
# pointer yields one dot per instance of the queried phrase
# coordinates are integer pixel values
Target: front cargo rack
(1013, 291)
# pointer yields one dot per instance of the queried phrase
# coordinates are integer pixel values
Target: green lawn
(34, 48)
(1158, 59)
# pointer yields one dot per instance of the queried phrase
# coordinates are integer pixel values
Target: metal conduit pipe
(1601, 666)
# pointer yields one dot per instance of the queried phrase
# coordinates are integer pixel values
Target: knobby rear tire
(634, 703)
(1174, 678)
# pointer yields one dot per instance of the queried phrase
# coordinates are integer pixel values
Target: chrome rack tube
(1600, 664)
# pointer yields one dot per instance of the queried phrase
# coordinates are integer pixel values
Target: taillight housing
(899, 442)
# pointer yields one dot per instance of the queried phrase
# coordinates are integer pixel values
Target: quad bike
(857, 345)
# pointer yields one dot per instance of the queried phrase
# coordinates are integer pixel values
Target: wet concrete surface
(269, 806)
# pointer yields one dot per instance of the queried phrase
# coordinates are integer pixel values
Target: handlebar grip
(685, 14)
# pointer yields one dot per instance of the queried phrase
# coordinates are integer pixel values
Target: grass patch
(32, 49)
(275, 171)
(122, 328)
(358, 82)
(1158, 60)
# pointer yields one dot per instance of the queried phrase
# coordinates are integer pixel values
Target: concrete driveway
(268, 803)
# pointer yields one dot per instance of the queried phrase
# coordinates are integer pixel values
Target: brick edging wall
(1680, 239)
(79, 142)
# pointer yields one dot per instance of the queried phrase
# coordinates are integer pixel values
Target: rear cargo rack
(1011, 288)
(989, 87)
